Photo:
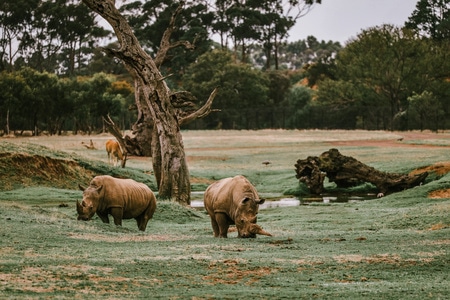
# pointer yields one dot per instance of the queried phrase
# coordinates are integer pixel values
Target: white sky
(340, 20)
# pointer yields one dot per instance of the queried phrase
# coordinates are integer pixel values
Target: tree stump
(346, 171)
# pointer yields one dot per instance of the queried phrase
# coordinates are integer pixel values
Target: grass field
(395, 247)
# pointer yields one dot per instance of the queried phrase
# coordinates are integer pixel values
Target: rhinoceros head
(88, 206)
(245, 218)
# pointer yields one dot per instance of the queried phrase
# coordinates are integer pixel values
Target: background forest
(55, 78)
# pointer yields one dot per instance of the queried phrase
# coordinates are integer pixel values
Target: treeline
(42, 102)
(61, 35)
(387, 78)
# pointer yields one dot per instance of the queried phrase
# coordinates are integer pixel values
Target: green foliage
(40, 102)
(150, 20)
(242, 89)
(426, 108)
(299, 101)
(48, 35)
(379, 70)
(364, 85)
(431, 18)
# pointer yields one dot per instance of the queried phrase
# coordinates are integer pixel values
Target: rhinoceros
(233, 200)
(121, 198)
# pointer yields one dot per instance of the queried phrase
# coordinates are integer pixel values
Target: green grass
(395, 247)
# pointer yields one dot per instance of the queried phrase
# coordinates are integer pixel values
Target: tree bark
(346, 171)
(154, 94)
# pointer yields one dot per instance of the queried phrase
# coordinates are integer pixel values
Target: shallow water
(294, 201)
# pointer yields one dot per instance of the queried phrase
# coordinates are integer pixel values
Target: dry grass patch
(388, 259)
(129, 238)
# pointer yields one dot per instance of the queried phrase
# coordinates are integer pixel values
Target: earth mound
(24, 169)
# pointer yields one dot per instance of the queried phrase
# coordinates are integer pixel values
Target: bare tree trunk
(174, 182)
(7, 122)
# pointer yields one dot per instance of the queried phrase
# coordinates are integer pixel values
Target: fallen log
(346, 171)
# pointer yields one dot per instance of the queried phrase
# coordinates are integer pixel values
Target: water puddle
(197, 200)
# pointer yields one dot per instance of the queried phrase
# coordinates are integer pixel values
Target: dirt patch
(389, 259)
(439, 194)
(440, 168)
(234, 271)
(84, 279)
(28, 170)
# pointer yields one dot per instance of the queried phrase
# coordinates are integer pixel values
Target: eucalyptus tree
(149, 19)
(385, 59)
(48, 35)
(266, 22)
(279, 16)
(428, 110)
(431, 18)
(40, 93)
(298, 101)
(153, 96)
(15, 16)
(243, 102)
(13, 87)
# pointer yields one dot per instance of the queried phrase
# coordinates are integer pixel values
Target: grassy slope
(391, 248)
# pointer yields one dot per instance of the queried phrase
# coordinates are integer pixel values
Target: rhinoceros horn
(256, 229)
(79, 207)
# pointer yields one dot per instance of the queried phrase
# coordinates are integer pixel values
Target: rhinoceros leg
(215, 226)
(117, 213)
(103, 217)
(142, 221)
(222, 224)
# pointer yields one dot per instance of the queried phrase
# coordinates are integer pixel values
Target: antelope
(114, 152)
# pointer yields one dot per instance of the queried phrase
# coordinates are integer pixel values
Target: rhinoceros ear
(260, 201)
(81, 187)
(99, 188)
(245, 200)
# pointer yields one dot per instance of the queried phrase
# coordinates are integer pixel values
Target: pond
(197, 200)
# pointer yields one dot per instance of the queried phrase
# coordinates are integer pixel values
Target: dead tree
(153, 99)
(89, 146)
(346, 171)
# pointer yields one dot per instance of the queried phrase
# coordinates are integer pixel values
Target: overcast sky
(340, 20)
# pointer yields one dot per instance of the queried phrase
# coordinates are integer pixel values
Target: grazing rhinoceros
(121, 198)
(233, 201)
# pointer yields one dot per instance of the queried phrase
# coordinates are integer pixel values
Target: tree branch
(201, 112)
(165, 44)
